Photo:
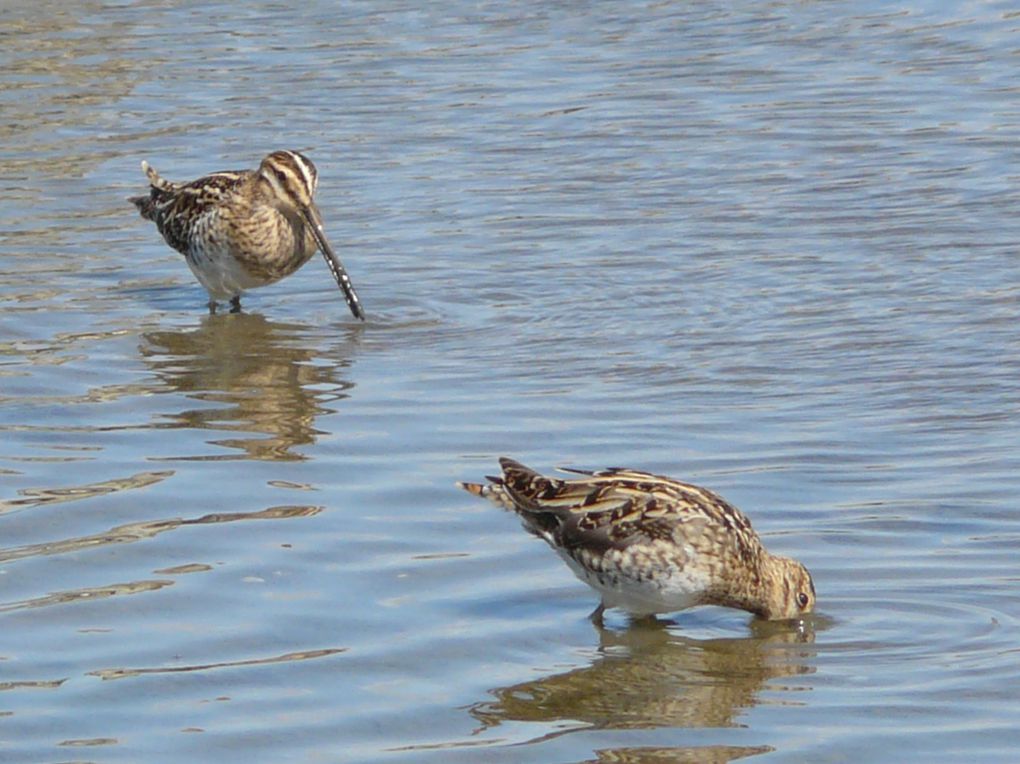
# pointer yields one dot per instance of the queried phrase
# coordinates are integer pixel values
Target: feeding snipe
(245, 228)
(651, 544)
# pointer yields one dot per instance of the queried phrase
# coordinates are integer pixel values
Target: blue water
(770, 249)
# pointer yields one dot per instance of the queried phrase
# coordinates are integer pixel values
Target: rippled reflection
(709, 754)
(303, 655)
(97, 741)
(261, 377)
(34, 497)
(646, 677)
(42, 93)
(123, 534)
(32, 685)
(90, 594)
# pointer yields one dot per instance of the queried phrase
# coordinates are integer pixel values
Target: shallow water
(767, 248)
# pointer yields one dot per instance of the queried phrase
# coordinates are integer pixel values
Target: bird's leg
(649, 619)
(235, 304)
(212, 307)
(596, 615)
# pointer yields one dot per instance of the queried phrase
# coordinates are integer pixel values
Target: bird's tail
(494, 491)
(158, 186)
(534, 520)
(144, 204)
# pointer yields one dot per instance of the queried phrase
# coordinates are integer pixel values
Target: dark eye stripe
(303, 168)
(292, 170)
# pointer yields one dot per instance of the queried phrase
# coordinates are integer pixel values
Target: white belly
(663, 590)
(220, 273)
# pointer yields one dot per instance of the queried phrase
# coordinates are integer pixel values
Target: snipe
(650, 544)
(241, 229)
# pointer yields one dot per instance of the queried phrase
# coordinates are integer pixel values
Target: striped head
(292, 179)
(790, 589)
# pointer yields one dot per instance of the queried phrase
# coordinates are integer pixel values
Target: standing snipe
(651, 544)
(245, 228)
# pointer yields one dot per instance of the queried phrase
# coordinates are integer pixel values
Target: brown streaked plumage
(650, 544)
(241, 229)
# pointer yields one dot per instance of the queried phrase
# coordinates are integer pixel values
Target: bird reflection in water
(646, 677)
(709, 754)
(267, 377)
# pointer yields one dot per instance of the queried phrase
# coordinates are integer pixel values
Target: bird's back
(181, 211)
(617, 507)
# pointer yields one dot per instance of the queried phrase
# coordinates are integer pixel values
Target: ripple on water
(769, 249)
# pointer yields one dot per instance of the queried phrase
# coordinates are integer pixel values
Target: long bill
(336, 267)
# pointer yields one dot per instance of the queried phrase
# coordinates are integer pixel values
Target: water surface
(767, 248)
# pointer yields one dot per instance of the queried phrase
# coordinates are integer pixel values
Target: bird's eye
(802, 599)
(281, 176)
